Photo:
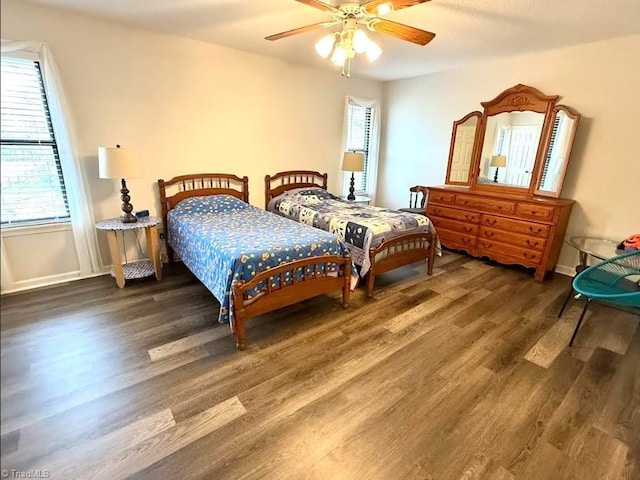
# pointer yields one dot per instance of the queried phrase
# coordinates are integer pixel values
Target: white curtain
(374, 143)
(72, 168)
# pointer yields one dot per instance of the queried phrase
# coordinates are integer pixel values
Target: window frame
(52, 142)
(370, 146)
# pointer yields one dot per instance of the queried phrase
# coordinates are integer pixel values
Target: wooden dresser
(510, 229)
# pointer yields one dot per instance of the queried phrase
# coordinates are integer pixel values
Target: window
(33, 189)
(359, 135)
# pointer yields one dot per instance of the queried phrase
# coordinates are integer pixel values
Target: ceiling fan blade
(295, 31)
(320, 5)
(404, 32)
(372, 6)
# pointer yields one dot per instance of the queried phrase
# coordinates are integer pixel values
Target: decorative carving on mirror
(463, 136)
(521, 144)
(510, 140)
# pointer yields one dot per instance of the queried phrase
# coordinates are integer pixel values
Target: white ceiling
(467, 31)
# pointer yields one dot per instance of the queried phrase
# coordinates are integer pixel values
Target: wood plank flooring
(465, 374)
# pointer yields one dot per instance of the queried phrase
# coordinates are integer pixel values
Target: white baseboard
(564, 270)
(23, 285)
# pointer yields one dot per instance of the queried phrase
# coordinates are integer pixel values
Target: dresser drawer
(454, 225)
(514, 239)
(509, 253)
(452, 239)
(538, 212)
(490, 205)
(517, 226)
(454, 213)
(441, 197)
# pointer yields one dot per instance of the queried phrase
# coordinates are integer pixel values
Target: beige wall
(186, 106)
(600, 80)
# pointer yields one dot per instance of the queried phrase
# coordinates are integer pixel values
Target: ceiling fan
(343, 45)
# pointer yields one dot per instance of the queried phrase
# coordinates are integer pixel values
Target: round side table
(140, 268)
(598, 248)
(358, 199)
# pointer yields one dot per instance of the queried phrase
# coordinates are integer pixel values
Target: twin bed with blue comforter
(251, 260)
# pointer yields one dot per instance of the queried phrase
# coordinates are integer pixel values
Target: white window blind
(358, 140)
(32, 187)
(548, 159)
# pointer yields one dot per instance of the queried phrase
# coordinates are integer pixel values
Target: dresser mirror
(556, 158)
(521, 144)
(509, 149)
(463, 135)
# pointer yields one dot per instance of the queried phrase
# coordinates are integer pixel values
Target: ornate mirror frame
(454, 131)
(520, 98)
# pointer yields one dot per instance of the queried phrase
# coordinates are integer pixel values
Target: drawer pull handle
(468, 229)
(491, 221)
(488, 234)
(535, 230)
(529, 256)
(532, 244)
(437, 211)
(465, 240)
(469, 218)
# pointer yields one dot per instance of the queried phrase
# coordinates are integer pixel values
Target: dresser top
(504, 196)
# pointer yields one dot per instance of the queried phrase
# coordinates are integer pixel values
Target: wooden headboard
(200, 184)
(281, 182)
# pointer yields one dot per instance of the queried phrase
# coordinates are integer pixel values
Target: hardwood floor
(462, 375)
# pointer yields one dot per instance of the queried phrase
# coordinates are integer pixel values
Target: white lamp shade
(360, 41)
(373, 51)
(384, 8)
(353, 162)
(117, 162)
(498, 161)
(325, 45)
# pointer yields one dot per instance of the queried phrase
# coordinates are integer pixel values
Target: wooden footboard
(312, 283)
(400, 251)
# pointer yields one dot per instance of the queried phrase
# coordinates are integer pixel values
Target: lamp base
(352, 195)
(128, 218)
(495, 177)
(127, 208)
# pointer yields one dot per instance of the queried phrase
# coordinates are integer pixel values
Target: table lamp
(120, 163)
(498, 161)
(352, 162)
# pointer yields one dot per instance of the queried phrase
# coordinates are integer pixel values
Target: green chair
(615, 281)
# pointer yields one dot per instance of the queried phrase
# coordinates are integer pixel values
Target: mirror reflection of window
(556, 155)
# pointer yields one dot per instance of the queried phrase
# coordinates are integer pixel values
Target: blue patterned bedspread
(222, 239)
(359, 226)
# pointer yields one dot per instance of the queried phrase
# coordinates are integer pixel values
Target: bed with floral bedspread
(359, 226)
(222, 240)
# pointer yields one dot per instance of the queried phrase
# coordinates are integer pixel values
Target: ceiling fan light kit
(346, 44)
(343, 46)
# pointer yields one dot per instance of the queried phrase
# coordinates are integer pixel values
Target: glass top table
(599, 248)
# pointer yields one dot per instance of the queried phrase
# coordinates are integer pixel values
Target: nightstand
(359, 199)
(138, 268)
